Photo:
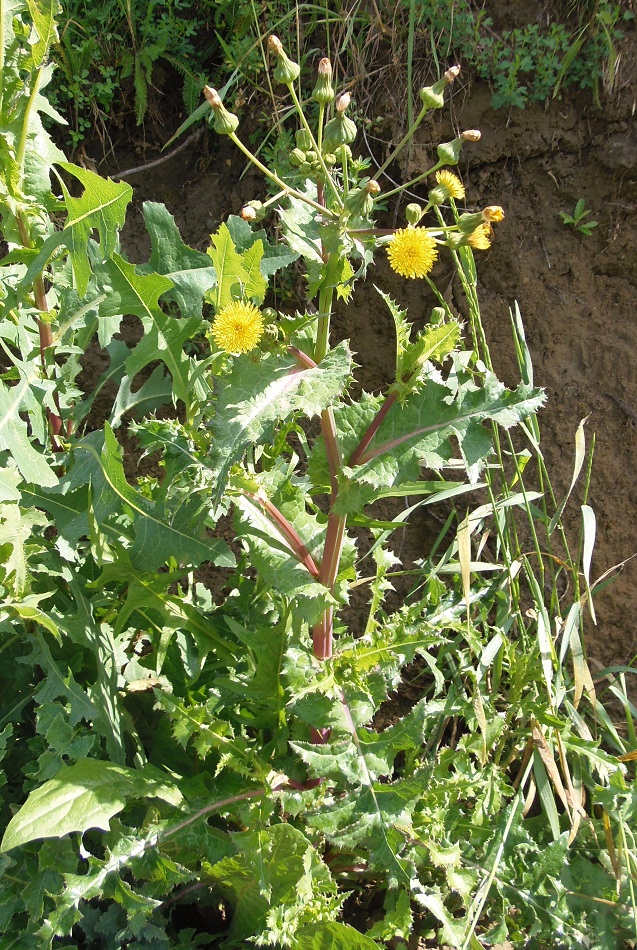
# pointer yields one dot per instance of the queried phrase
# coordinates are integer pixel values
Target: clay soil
(576, 293)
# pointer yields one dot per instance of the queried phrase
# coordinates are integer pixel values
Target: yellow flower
(480, 239)
(412, 252)
(493, 213)
(451, 184)
(238, 327)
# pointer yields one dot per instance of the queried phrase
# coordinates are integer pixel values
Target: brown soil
(576, 293)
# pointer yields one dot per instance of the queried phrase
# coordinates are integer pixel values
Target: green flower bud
(467, 223)
(311, 156)
(305, 169)
(413, 213)
(297, 157)
(449, 152)
(269, 314)
(437, 196)
(432, 97)
(270, 334)
(330, 159)
(360, 202)
(455, 240)
(343, 152)
(324, 91)
(285, 71)
(438, 314)
(303, 139)
(340, 130)
(224, 122)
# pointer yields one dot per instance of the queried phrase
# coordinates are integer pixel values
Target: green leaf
(189, 270)
(301, 230)
(254, 396)
(81, 796)
(158, 534)
(275, 256)
(229, 267)
(255, 285)
(14, 436)
(102, 206)
(330, 935)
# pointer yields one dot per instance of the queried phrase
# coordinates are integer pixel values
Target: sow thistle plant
(168, 742)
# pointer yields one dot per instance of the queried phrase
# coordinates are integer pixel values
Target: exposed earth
(576, 293)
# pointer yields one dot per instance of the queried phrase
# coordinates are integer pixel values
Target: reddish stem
(358, 453)
(288, 531)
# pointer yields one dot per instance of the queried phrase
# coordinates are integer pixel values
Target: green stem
(324, 168)
(275, 178)
(408, 134)
(414, 181)
(22, 144)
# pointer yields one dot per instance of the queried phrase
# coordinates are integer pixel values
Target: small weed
(576, 220)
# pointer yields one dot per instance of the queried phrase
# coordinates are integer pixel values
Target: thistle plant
(328, 218)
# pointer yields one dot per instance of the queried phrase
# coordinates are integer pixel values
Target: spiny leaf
(254, 396)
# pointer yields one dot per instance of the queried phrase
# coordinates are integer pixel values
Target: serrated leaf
(156, 391)
(102, 206)
(189, 271)
(257, 395)
(275, 256)
(158, 535)
(14, 436)
(301, 230)
(82, 796)
(255, 285)
(229, 266)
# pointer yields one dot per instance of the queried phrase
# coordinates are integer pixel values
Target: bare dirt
(576, 293)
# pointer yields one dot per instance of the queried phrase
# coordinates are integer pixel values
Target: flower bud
(323, 90)
(330, 159)
(413, 213)
(342, 153)
(297, 157)
(311, 156)
(285, 71)
(437, 196)
(340, 130)
(449, 152)
(225, 123)
(269, 314)
(303, 139)
(360, 202)
(305, 168)
(253, 211)
(438, 314)
(432, 97)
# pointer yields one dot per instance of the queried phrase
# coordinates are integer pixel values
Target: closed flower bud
(343, 152)
(323, 90)
(297, 157)
(305, 168)
(340, 130)
(432, 97)
(311, 156)
(330, 159)
(413, 213)
(438, 314)
(269, 314)
(360, 202)
(303, 139)
(224, 123)
(285, 71)
(437, 196)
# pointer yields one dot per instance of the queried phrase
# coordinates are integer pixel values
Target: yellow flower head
(493, 213)
(451, 184)
(238, 327)
(480, 239)
(412, 252)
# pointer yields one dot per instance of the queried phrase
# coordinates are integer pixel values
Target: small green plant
(576, 220)
(236, 743)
